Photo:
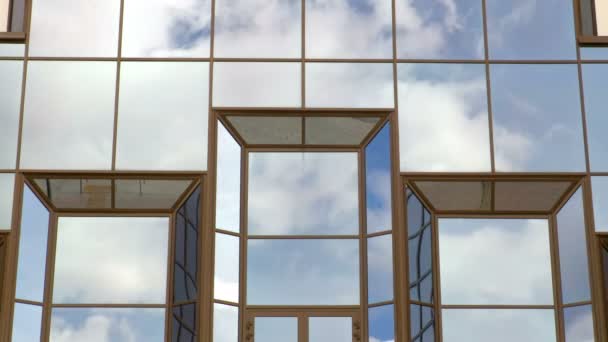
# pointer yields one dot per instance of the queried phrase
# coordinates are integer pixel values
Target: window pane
(382, 323)
(600, 203)
(11, 73)
(443, 117)
(579, 324)
(380, 268)
(69, 115)
(228, 193)
(501, 325)
(419, 227)
(119, 325)
(27, 322)
(7, 186)
(32, 248)
(225, 323)
(378, 182)
(163, 107)
(226, 284)
(439, 29)
(349, 85)
(573, 250)
(594, 78)
(261, 84)
(148, 193)
(12, 50)
(270, 29)
(422, 321)
(516, 27)
(457, 195)
(184, 322)
(337, 130)
(276, 329)
(187, 228)
(73, 28)
(165, 28)
(330, 329)
(326, 203)
(129, 254)
(77, 193)
(529, 195)
(262, 130)
(537, 128)
(343, 29)
(509, 260)
(303, 272)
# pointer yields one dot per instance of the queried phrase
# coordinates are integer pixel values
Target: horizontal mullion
(227, 232)
(28, 302)
(419, 303)
(383, 303)
(382, 233)
(575, 304)
(187, 302)
(225, 302)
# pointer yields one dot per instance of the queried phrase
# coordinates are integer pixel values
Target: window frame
(583, 38)
(9, 36)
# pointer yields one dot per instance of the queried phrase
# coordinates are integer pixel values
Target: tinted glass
(303, 272)
(326, 201)
(579, 324)
(378, 182)
(419, 227)
(330, 329)
(382, 323)
(600, 203)
(261, 130)
(338, 131)
(380, 268)
(185, 268)
(594, 76)
(443, 114)
(228, 193)
(225, 323)
(226, 285)
(457, 195)
(529, 196)
(7, 186)
(10, 105)
(69, 115)
(27, 322)
(149, 193)
(184, 326)
(129, 254)
(422, 321)
(276, 329)
(163, 107)
(77, 193)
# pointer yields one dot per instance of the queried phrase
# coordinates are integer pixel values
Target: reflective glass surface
(600, 203)
(69, 115)
(184, 323)
(225, 323)
(457, 195)
(149, 193)
(276, 329)
(265, 130)
(594, 76)
(129, 254)
(419, 230)
(226, 281)
(536, 127)
(11, 73)
(443, 118)
(163, 108)
(330, 329)
(228, 193)
(529, 195)
(596, 53)
(579, 324)
(7, 186)
(303, 272)
(380, 269)
(422, 322)
(186, 250)
(508, 258)
(382, 323)
(378, 186)
(27, 323)
(77, 193)
(338, 130)
(12, 50)
(326, 201)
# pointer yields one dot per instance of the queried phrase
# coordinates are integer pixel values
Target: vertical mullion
(243, 240)
(488, 85)
(117, 86)
(303, 327)
(363, 267)
(47, 300)
(556, 278)
(436, 276)
(200, 245)
(303, 57)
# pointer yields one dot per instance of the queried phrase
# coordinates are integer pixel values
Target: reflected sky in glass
(228, 191)
(597, 53)
(524, 29)
(536, 127)
(226, 281)
(600, 203)
(594, 83)
(101, 324)
(12, 50)
(32, 248)
(350, 85)
(573, 250)
(7, 186)
(380, 268)
(382, 323)
(258, 28)
(303, 272)
(579, 324)
(27, 322)
(509, 259)
(348, 29)
(420, 250)
(330, 329)
(11, 73)
(166, 28)
(498, 325)
(439, 29)
(225, 323)
(276, 329)
(303, 193)
(163, 106)
(378, 182)
(443, 118)
(69, 115)
(422, 321)
(129, 255)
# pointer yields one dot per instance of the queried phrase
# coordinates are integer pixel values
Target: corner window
(593, 21)
(12, 19)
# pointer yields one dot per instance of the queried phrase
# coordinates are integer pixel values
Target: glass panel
(184, 323)
(330, 329)
(165, 28)
(382, 323)
(587, 20)
(349, 85)
(345, 29)
(380, 268)
(594, 52)
(443, 112)
(257, 84)
(500, 325)
(77, 193)
(149, 194)
(7, 186)
(226, 281)
(18, 20)
(457, 195)
(129, 254)
(516, 27)
(594, 78)
(116, 325)
(338, 131)
(326, 203)
(32, 248)
(10, 106)
(303, 272)
(600, 203)
(187, 227)
(228, 195)
(601, 17)
(69, 28)
(509, 260)
(573, 260)
(276, 329)
(579, 324)
(261, 130)
(225, 323)
(27, 322)
(378, 182)
(422, 321)
(537, 128)
(163, 108)
(12, 50)
(529, 196)
(419, 227)
(262, 29)
(69, 114)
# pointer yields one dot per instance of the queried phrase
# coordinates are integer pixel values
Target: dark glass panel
(338, 130)
(184, 320)
(529, 196)
(420, 249)
(186, 249)
(457, 195)
(262, 130)
(422, 320)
